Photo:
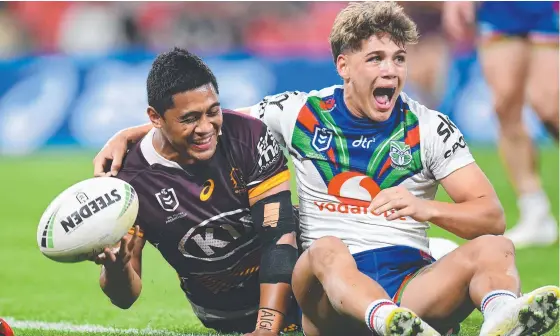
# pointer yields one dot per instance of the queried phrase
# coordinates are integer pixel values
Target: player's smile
(205, 143)
(191, 127)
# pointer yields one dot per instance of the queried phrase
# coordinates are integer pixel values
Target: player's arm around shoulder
(121, 269)
(476, 210)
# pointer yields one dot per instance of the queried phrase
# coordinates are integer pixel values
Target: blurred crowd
(265, 28)
(275, 29)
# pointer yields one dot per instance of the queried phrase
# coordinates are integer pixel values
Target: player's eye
(213, 113)
(189, 120)
(375, 59)
(400, 59)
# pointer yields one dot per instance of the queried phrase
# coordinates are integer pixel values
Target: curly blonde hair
(361, 20)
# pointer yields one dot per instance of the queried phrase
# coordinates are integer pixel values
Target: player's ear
(155, 118)
(342, 66)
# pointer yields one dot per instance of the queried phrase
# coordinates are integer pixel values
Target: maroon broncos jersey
(198, 216)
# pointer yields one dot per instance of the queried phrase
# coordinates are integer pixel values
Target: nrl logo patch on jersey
(322, 139)
(400, 154)
(167, 199)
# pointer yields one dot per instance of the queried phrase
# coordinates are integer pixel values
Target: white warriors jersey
(342, 162)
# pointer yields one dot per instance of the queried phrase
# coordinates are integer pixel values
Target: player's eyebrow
(382, 52)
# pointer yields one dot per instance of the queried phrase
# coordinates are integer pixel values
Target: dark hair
(174, 72)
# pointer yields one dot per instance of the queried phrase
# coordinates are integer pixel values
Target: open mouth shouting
(383, 96)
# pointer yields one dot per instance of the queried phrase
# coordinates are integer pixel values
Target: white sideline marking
(91, 328)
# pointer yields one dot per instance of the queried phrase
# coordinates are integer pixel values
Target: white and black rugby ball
(87, 217)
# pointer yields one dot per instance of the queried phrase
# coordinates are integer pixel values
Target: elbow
(494, 223)
(121, 297)
(124, 304)
(500, 224)
(498, 219)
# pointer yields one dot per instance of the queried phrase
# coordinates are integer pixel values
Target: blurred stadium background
(73, 73)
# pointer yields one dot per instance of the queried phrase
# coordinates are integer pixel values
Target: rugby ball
(87, 217)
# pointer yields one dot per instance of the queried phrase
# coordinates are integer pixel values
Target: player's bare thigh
(543, 88)
(314, 302)
(440, 294)
(505, 66)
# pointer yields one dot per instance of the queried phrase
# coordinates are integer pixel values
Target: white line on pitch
(92, 328)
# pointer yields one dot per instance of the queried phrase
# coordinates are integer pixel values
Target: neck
(351, 104)
(165, 148)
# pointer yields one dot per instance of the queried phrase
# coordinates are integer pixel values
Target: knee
(508, 104)
(323, 253)
(491, 248)
(324, 246)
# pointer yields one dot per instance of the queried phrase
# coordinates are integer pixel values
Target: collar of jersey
(151, 155)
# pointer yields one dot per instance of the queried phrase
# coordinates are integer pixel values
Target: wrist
(117, 268)
(270, 320)
(432, 211)
(126, 134)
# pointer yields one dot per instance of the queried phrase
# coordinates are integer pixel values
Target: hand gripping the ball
(117, 258)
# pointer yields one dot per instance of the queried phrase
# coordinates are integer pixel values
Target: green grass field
(33, 288)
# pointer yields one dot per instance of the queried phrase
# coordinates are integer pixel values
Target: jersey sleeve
(447, 150)
(267, 166)
(279, 112)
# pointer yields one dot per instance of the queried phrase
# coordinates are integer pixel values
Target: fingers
(99, 259)
(394, 204)
(377, 202)
(105, 257)
(382, 198)
(407, 211)
(134, 239)
(109, 255)
(99, 165)
(117, 162)
(123, 249)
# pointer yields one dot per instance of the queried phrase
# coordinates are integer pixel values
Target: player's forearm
(136, 133)
(469, 219)
(121, 286)
(273, 307)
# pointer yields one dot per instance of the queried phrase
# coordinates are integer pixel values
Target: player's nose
(387, 68)
(204, 127)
